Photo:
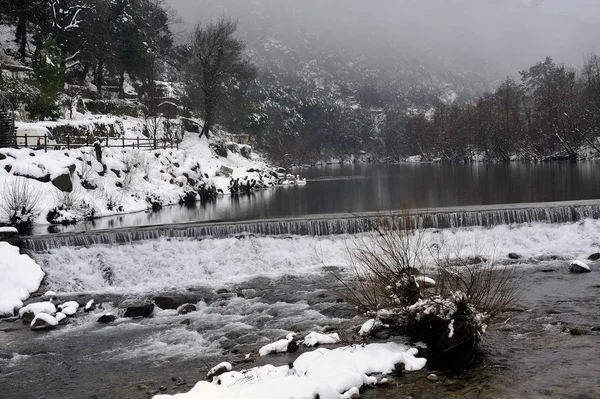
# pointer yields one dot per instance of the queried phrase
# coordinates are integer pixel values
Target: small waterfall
(332, 224)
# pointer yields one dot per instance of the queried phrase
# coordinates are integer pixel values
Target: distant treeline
(554, 113)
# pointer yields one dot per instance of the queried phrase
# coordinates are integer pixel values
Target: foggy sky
(511, 34)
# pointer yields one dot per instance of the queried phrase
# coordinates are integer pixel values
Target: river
(251, 290)
(353, 188)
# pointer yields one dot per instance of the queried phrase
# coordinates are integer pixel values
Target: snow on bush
(322, 373)
(19, 277)
(315, 338)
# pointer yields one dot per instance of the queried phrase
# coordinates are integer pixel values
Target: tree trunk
(99, 76)
(21, 36)
(121, 84)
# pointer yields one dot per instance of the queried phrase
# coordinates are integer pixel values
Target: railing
(44, 142)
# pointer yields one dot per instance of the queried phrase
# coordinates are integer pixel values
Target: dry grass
(20, 200)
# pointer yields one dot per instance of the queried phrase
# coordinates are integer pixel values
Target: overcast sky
(585, 9)
(513, 34)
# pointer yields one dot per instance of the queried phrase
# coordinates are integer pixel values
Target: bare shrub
(450, 315)
(20, 201)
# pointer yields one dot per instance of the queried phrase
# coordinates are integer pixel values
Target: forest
(119, 55)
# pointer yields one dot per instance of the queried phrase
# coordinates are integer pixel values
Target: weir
(330, 224)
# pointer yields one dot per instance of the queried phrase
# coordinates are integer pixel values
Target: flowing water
(252, 290)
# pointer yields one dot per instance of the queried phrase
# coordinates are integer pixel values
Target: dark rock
(41, 324)
(166, 302)
(215, 372)
(594, 257)
(222, 291)
(514, 255)
(219, 148)
(138, 309)
(106, 318)
(63, 182)
(186, 322)
(117, 172)
(72, 168)
(186, 308)
(577, 331)
(9, 236)
(597, 328)
(246, 151)
(27, 317)
(2, 156)
(292, 346)
(88, 185)
(578, 267)
(7, 168)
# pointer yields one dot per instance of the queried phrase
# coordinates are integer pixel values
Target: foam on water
(163, 264)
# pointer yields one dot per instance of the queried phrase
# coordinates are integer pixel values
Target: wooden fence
(44, 142)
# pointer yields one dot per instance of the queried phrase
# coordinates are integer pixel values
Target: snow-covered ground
(123, 180)
(322, 373)
(19, 277)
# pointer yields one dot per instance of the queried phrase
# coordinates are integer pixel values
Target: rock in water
(166, 302)
(186, 308)
(578, 266)
(218, 370)
(138, 309)
(514, 256)
(107, 318)
(594, 257)
(43, 321)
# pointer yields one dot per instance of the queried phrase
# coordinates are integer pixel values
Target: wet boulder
(166, 302)
(514, 256)
(138, 309)
(594, 257)
(107, 318)
(578, 266)
(43, 321)
(186, 308)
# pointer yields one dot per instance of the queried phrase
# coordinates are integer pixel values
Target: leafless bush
(449, 313)
(386, 263)
(20, 201)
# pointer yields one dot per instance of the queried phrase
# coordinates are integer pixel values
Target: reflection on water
(372, 187)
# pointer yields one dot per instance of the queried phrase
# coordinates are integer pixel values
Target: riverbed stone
(578, 266)
(514, 256)
(594, 257)
(107, 318)
(41, 324)
(577, 331)
(27, 317)
(186, 308)
(166, 302)
(138, 309)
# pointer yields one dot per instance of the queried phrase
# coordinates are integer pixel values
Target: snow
(11, 230)
(49, 294)
(315, 338)
(221, 366)
(38, 307)
(60, 316)
(19, 277)
(159, 174)
(368, 326)
(51, 320)
(277, 346)
(69, 310)
(578, 265)
(89, 304)
(424, 281)
(330, 374)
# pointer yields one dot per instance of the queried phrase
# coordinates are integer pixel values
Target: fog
(507, 35)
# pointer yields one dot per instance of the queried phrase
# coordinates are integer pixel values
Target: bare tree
(216, 62)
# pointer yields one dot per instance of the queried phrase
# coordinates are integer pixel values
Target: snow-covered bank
(323, 373)
(19, 277)
(85, 183)
(184, 263)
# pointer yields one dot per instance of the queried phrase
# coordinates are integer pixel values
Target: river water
(352, 188)
(253, 290)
